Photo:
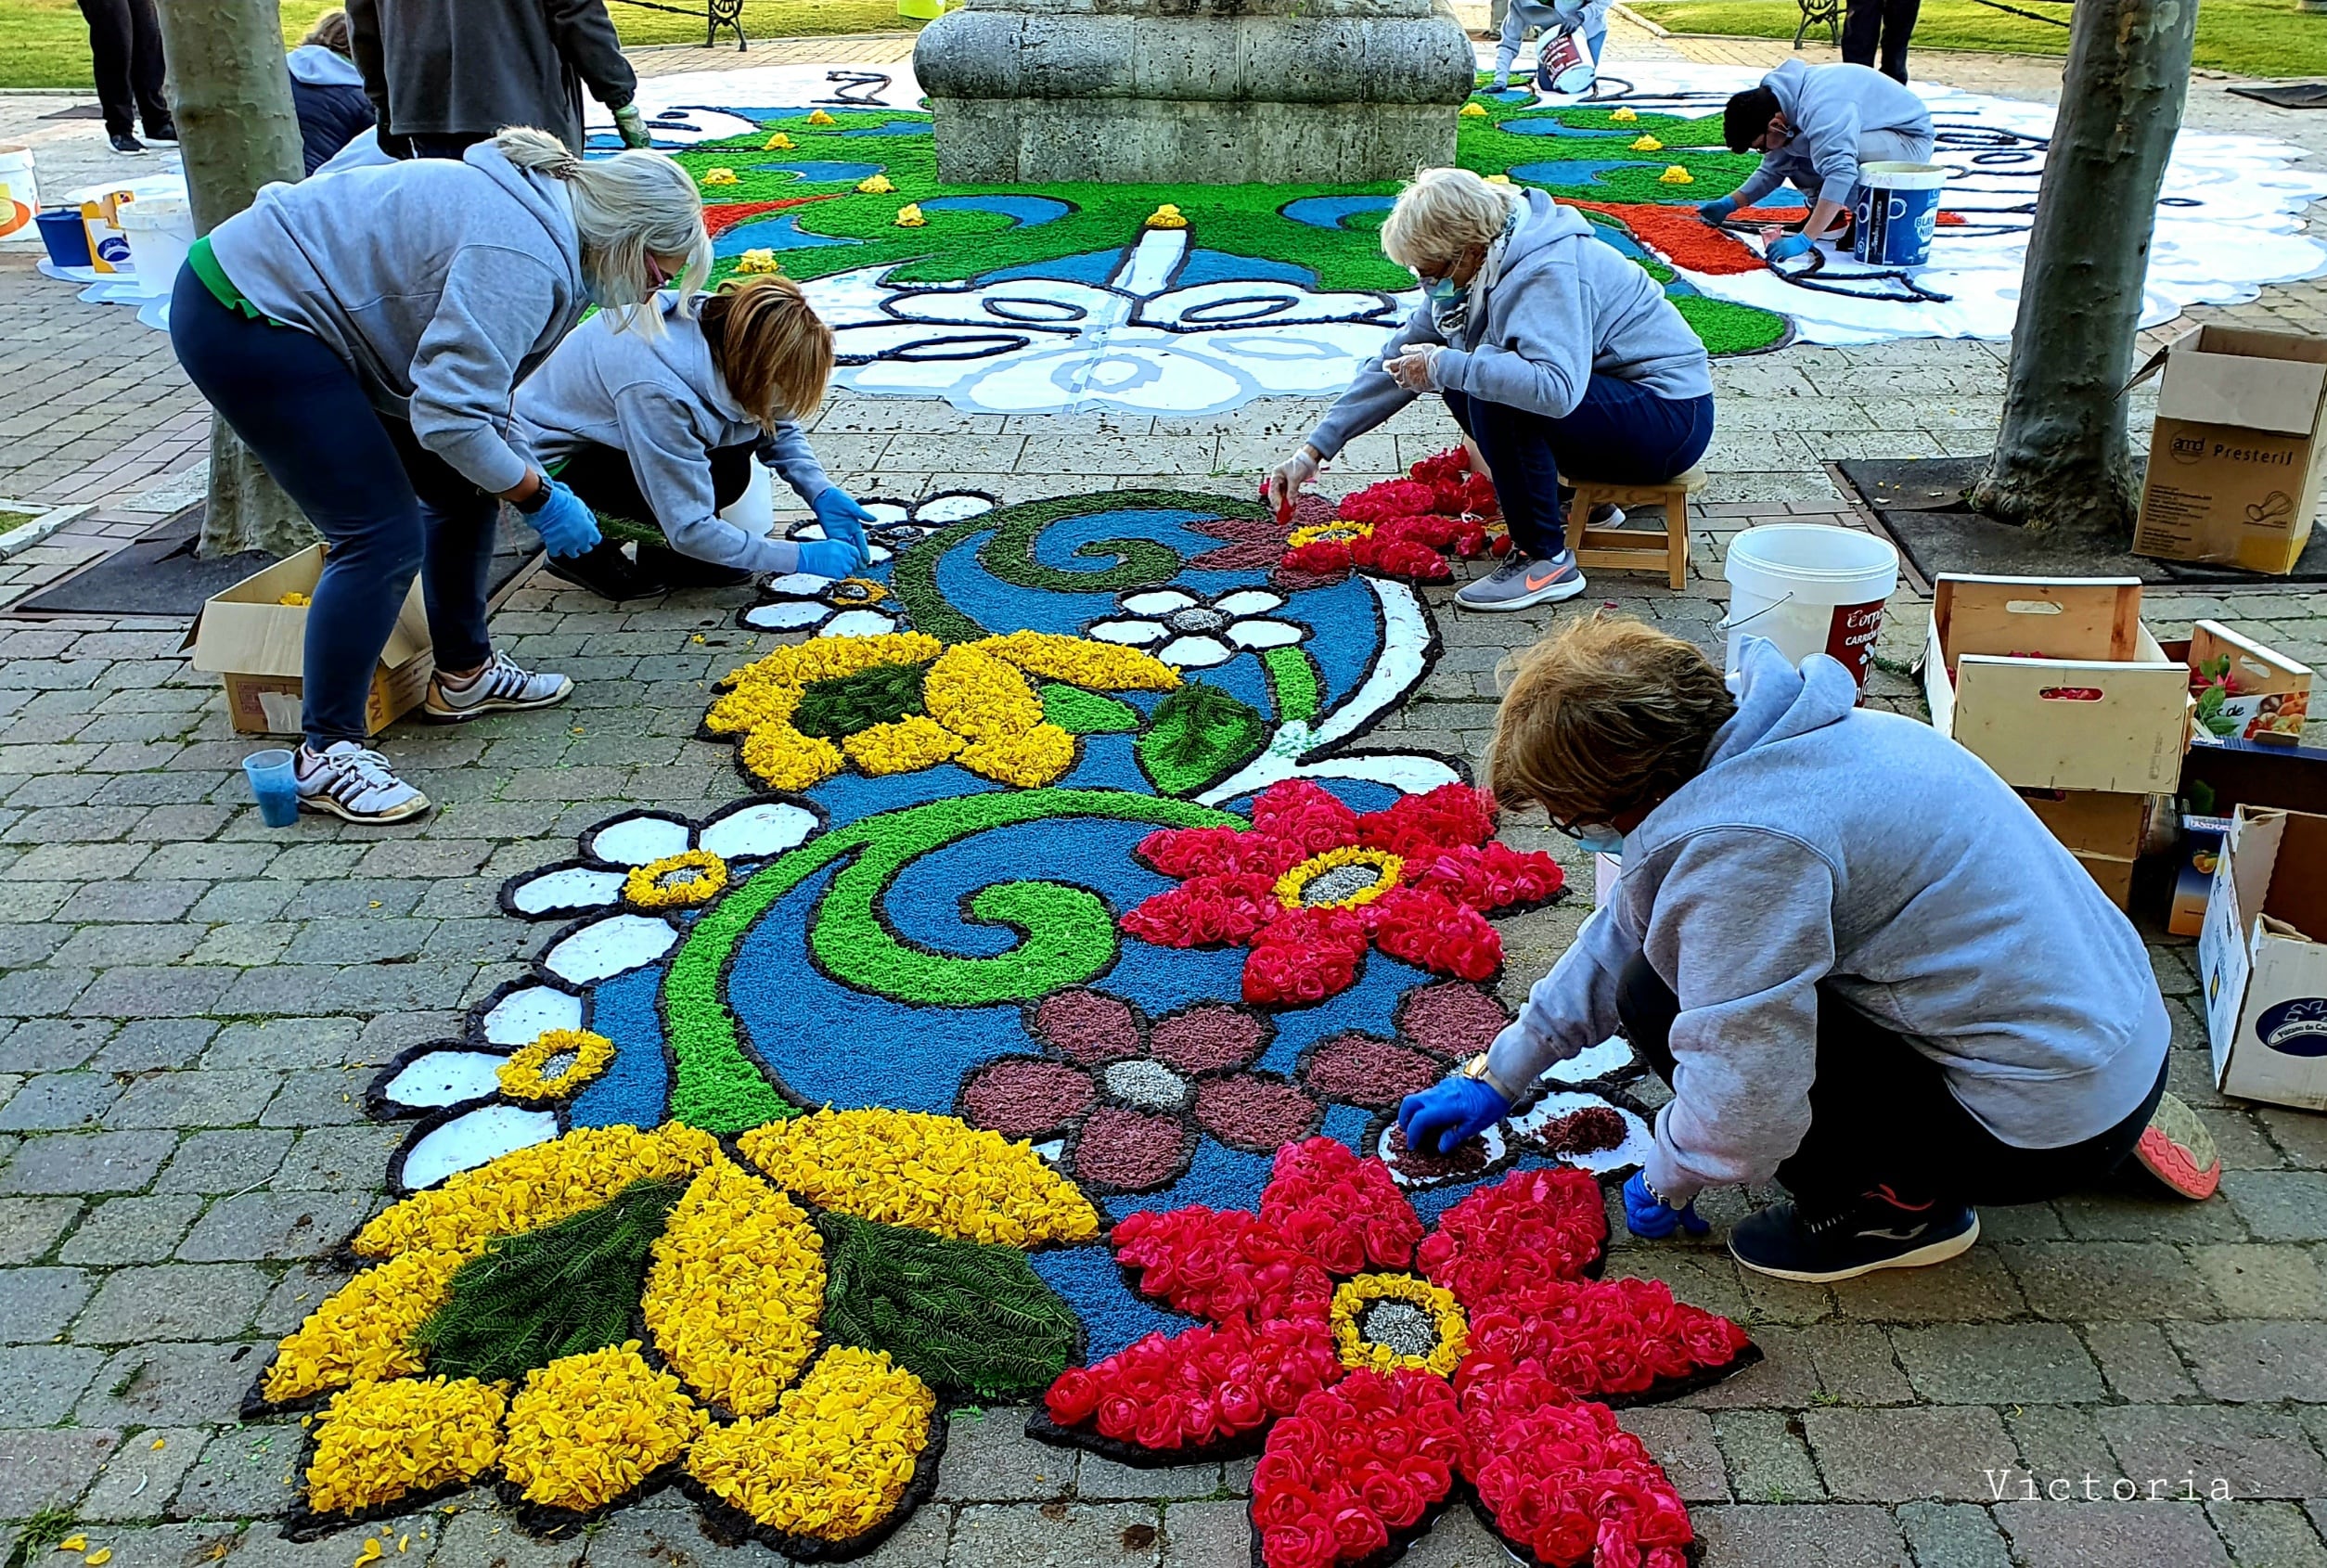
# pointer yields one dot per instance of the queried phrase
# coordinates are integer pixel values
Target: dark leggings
(1620, 432)
(1881, 1115)
(385, 506)
(603, 477)
(126, 52)
(1892, 21)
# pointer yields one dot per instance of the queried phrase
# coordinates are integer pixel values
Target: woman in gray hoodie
(1555, 354)
(659, 432)
(1865, 968)
(364, 335)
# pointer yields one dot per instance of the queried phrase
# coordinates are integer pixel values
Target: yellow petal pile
(875, 185)
(909, 215)
(1498, 179)
(531, 1187)
(778, 143)
(1677, 175)
(676, 881)
(294, 599)
(1473, 111)
(360, 1331)
(719, 176)
(522, 1076)
(1622, 116)
(760, 260)
(736, 1288)
(1166, 216)
(817, 117)
(982, 709)
(381, 1441)
(834, 1459)
(931, 1172)
(1352, 1299)
(587, 1429)
(1647, 144)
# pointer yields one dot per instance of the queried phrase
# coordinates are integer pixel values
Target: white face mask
(1599, 838)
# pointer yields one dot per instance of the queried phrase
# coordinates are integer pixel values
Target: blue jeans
(1621, 433)
(387, 508)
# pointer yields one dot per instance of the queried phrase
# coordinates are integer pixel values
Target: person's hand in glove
(1647, 1216)
(830, 557)
(842, 518)
(1787, 246)
(632, 126)
(1443, 1116)
(1282, 486)
(565, 523)
(1417, 368)
(1717, 212)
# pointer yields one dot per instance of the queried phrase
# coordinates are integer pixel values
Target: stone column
(1212, 92)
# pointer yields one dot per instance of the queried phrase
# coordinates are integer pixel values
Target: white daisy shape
(1194, 633)
(863, 605)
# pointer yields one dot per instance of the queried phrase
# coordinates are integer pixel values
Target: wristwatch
(1477, 1068)
(534, 502)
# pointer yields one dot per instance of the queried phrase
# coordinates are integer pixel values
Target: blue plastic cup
(275, 785)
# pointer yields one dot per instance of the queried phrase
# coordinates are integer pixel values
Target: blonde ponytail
(625, 207)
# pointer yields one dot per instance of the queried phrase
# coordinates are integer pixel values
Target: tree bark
(2061, 458)
(237, 131)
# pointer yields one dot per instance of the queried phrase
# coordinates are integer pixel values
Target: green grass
(45, 43)
(2249, 37)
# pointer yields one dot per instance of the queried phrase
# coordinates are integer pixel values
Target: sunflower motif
(1377, 1364)
(791, 1360)
(903, 702)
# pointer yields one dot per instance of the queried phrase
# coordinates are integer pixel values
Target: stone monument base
(1217, 92)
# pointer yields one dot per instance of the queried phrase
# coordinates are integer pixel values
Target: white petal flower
(449, 1076)
(615, 946)
(863, 605)
(613, 849)
(471, 1139)
(527, 1012)
(1202, 632)
(1633, 1150)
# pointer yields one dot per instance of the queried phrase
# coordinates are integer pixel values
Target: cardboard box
(2193, 883)
(258, 646)
(2055, 684)
(2244, 692)
(2235, 457)
(2262, 959)
(2114, 876)
(2104, 832)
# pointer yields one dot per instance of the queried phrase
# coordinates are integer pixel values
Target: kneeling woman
(657, 435)
(364, 335)
(1556, 353)
(1862, 964)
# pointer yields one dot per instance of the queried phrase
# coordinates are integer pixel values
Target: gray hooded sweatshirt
(1549, 17)
(442, 285)
(1829, 842)
(1561, 307)
(1830, 107)
(662, 400)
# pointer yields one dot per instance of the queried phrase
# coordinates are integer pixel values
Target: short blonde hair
(1443, 214)
(625, 207)
(773, 349)
(1606, 717)
(331, 32)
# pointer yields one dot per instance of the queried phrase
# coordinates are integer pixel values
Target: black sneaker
(673, 569)
(165, 132)
(606, 572)
(1876, 1232)
(123, 142)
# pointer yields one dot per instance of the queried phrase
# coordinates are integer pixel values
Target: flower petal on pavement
(567, 890)
(1132, 1150)
(525, 1014)
(953, 505)
(637, 841)
(473, 1138)
(1254, 1112)
(788, 616)
(1158, 601)
(859, 623)
(445, 1078)
(1248, 601)
(1345, 1212)
(1022, 1098)
(758, 831)
(610, 946)
(1364, 1070)
(1208, 1037)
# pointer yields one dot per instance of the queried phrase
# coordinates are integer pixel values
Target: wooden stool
(1636, 550)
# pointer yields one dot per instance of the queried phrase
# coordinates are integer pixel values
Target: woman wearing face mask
(1555, 354)
(1864, 967)
(364, 335)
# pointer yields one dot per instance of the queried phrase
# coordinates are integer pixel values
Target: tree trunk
(238, 132)
(2062, 460)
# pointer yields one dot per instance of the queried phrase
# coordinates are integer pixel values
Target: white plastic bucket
(1898, 208)
(20, 192)
(100, 211)
(1810, 588)
(160, 231)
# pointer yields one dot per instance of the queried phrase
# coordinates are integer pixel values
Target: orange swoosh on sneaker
(1534, 582)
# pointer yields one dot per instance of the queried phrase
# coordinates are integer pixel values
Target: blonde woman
(1555, 354)
(1864, 967)
(660, 432)
(365, 335)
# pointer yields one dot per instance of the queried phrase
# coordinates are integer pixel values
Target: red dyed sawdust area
(720, 219)
(1687, 241)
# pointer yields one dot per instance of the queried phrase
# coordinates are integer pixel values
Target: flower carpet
(1194, 298)
(1029, 1029)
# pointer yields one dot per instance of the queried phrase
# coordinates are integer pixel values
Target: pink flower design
(1132, 1098)
(1312, 884)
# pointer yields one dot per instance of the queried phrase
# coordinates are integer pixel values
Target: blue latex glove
(1440, 1118)
(830, 557)
(1717, 211)
(1650, 1220)
(842, 518)
(564, 522)
(1787, 246)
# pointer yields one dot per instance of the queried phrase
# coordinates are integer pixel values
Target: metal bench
(1816, 11)
(716, 14)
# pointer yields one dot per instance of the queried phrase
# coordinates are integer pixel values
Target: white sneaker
(502, 688)
(354, 783)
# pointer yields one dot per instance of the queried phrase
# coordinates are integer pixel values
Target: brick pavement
(190, 1005)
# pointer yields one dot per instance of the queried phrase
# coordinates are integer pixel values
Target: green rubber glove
(632, 126)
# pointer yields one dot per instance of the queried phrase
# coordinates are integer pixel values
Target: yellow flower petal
(587, 1429)
(360, 1331)
(536, 1187)
(736, 1289)
(381, 1441)
(835, 1458)
(931, 1172)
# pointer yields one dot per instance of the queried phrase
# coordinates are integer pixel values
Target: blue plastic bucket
(66, 237)
(1898, 207)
